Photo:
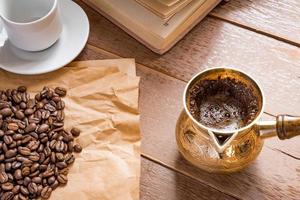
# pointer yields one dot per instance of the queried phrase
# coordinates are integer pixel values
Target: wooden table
(261, 37)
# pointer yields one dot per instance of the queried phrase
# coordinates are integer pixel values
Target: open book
(153, 31)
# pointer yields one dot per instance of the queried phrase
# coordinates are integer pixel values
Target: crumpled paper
(102, 101)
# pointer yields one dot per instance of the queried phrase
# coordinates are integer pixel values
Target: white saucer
(72, 41)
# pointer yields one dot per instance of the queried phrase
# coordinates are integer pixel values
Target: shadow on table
(216, 186)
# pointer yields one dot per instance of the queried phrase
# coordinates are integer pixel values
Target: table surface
(260, 37)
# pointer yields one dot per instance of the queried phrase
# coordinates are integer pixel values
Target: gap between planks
(250, 28)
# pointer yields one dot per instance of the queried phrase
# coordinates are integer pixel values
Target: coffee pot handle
(287, 126)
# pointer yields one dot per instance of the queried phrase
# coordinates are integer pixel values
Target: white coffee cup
(31, 25)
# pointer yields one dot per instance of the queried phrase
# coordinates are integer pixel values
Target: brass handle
(287, 126)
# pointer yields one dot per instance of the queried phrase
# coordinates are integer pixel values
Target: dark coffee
(223, 104)
(35, 149)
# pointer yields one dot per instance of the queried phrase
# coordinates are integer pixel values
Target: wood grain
(273, 175)
(214, 43)
(278, 19)
(160, 183)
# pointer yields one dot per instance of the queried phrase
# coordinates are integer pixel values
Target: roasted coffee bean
(25, 171)
(10, 177)
(17, 98)
(59, 146)
(13, 145)
(23, 106)
(37, 180)
(16, 189)
(71, 146)
(34, 135)
(9, 132)
(3, 177)
(69, 159)
(27, 180)
(61, 165)
(5, 112)
(46, 192)
(17, 136)
(27, 163)
(60, 91)
(7, 186)
(51, 180)
(30, 103)
(77, 148)
(24, 190)
(34, 157)
(24, 151)
(43, 167)
(60, 105)
(43, 128)
(7, 166)
(60, 156)
(13, 126)
(7, 139)
(22, 88)
(26, 139)
(1, 134)
(62, 178)
(19, 114)
(49, 107)
(48, 173)
(16, 165)
(33, 145)
(34, 167)
(52, 144)
(53, 157)
(10, 153)
(45, 114)
(31, 127)
(32, 188)
(4, 147)
(18, 174)
(2, 157)
(60, 116)
(75, 132)
(47, 151)
(7, 195)
(40, 105)
(67, 137)
(29, 111)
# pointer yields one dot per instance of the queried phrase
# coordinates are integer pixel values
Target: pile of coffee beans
(35, 149)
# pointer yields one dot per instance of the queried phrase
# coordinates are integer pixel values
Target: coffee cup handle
(3, 35)
(221, 146)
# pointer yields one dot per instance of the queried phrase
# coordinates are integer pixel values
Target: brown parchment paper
(102, 101)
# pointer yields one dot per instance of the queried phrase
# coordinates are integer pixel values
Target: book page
(168, 2)
(163, 10)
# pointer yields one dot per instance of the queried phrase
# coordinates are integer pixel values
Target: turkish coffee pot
(228, 150)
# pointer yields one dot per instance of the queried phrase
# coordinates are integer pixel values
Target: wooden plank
(160, 183)
(273, 175)
(278, 19)
(214, 43)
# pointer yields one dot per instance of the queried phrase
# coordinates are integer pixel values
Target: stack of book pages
(158, 24)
